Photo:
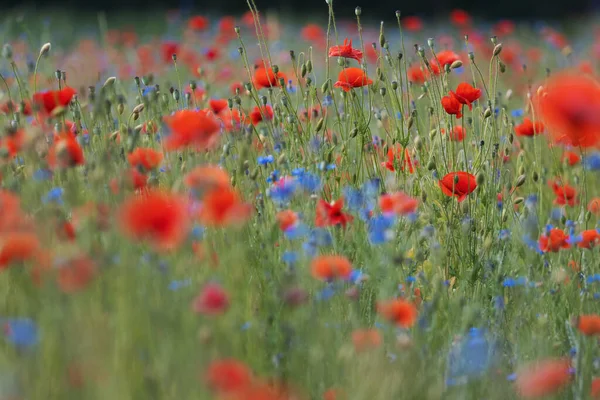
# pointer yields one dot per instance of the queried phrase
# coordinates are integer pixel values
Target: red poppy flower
(206, 178)
(286, 219)
(565, 193)
(51, 99)
(329, 214)
(264, 78)
(232, 119)
(224, 207)
(167, 49)
(412, 23)
(460, 17)
(543, 378)
(398, 203)
(352, 78)
(156, 216)
(504, 27)
(14, 142)
(17, 247)
(417, 75)
(399, 312)
(365, 339)
(528, 128)
(259, 114)
(228, 376)
(65, 152)
(459, 184)
(571, 158)
(312, 33)
(589, 325)
(331, 267)
(345, 50)
(594, 206)
(75, 274)
(407, 162)
(467, 94)
(589, 238)
(452, 105)
(443, 58)
(145, 158)
(213, 300)
(9, 105)
(569, 105)
(198, 23)
(217, 105)
(248, 19)
(196, 129)
(457, 134)
(556, 240)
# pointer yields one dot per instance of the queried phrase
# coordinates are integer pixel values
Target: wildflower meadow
(256, 207)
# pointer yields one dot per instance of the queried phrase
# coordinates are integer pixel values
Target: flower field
(245, 208)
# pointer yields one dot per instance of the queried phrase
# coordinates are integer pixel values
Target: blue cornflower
(54, 196)
(283, 191)
(326, 293)
(298, 172)
(42, 175)
(470, 357)
(290, 257)
(311, 183)
(556, 214)
(592, 161)
(356, 276)
(297, 231)
(518, 113)
(380, 229)
(21, 332)
(266, 159)
(176, 285)
(197, 232)
(327, 101)
(273, 176)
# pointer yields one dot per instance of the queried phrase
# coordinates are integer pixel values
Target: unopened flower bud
(497, 49)
(45, 49)
(7, 51)
(456, 64)
(358, 11)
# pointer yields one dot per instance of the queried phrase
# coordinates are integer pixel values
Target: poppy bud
(521, 170)
(236, 29)
(241, 50)
(281, 83)
(447, 68)
(535, 176)
(410, 122)
(432, 133)
(309, 66)
(45, 49)
(248, 86)
(502, 67)
(456, 64)
(120, 108)
(292, 55)
(487, 113)
(471, 56)
(421, 51)
(430, 42)
(7, 51)
(358, 11)
(588, 215)
(176, 95)
(480, 179)
(518, 200)
(398, 13)
(174, 57)
(325, 86)
(381, 40)
(320, 124)
(254, 174)
(136, 115)
(139, 108)
(309, 81)
(520, 181)
(400, 56)
(303, 70)
(431, 165)
(237, 100)
(511, 138)
(418, 143)
(382, 91)
(497, 49)
(109, 81)
(494, 40)
(57, 74)
(263, 100)
(394, 85)
(353, 132)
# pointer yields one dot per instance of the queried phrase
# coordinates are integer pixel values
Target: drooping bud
(45, 49)
(497, 49)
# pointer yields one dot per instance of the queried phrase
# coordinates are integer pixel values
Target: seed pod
(497, 49)
(358, 11)
(456, 64)
(139, 108)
